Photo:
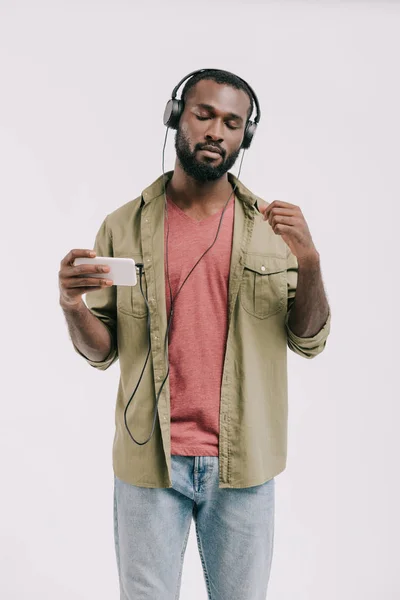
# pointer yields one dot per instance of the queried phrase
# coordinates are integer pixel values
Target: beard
(198, 170)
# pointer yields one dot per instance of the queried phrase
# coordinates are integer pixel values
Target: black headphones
(174, 109)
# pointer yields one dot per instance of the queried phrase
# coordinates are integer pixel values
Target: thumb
(262, 207)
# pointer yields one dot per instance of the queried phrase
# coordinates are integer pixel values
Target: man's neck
(202, 198)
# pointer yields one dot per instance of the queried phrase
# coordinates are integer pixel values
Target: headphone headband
(175, 90)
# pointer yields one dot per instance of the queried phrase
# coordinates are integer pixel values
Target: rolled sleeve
(308, 346)
(102, 365)
(304, 346)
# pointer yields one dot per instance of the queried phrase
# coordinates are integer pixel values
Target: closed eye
(205, 118)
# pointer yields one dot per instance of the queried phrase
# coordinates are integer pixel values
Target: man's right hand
(72, 281)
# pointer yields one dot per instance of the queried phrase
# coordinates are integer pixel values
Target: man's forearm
(87, 332)
(310, 308)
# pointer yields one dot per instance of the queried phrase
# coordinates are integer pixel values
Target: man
(243, 279)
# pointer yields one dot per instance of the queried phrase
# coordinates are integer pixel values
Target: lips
(211, 149)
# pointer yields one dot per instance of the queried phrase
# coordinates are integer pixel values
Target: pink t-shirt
(197, 336)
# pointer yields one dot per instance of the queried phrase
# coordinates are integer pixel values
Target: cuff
(309, 343)
(101, 364)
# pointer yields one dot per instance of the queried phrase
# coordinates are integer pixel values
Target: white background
(83, 91)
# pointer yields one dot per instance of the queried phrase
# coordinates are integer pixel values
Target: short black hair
(219, 76)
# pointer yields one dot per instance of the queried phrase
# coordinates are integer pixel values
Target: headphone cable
(140, 266)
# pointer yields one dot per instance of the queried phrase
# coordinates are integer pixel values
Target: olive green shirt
(254, 390)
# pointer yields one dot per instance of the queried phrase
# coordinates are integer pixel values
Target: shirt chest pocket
(129, 298)
(263, 291)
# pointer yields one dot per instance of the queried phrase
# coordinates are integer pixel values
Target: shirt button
(165, 418)
(146, 220)
(262, 268)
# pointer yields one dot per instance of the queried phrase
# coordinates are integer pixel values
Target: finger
(282, 204)
(279, 204)
(282, 220)
(284, 230)
(77, 253)
(278, 211)
(78, 270)
(78, 282)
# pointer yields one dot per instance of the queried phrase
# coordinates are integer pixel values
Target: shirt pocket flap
(264, 264)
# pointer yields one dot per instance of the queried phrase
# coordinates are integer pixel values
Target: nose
(214, 131)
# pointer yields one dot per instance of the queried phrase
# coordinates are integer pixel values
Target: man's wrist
(75, 307)
(311, 261)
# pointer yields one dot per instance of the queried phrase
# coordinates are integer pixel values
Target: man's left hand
(288, 221)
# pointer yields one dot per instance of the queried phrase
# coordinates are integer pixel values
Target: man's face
(215, 115)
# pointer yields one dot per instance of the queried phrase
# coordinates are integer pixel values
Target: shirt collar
(156, 189)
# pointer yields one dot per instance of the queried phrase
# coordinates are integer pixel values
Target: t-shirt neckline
(216, 215)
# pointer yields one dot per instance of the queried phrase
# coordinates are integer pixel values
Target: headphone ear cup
(172, 113)
(249, 134)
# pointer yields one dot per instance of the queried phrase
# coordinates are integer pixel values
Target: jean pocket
(263, 290)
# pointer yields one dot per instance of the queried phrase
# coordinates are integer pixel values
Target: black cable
(172, 300)
(140, 267)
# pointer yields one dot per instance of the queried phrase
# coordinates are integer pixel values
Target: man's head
(217, 107)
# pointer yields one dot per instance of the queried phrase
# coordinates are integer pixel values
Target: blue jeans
(234, 528)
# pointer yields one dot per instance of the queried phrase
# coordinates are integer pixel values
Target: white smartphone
(122, 270)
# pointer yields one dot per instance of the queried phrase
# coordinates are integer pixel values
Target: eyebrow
(212, 109)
